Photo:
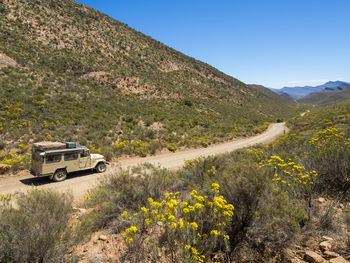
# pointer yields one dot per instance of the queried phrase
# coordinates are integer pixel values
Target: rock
(338, 260)
(297, 247)
(94, 239)
(103, 237)
(330, 254)
(325, 245)
(297, 260)
(288, 253)
(321, 200)
(82, 210)
(326, 238)
(6, 61)
(313, 244)
(313, 257)
(4, 168)
(341, 206)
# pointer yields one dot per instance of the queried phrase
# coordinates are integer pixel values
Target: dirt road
(79, 183)
(303, 114)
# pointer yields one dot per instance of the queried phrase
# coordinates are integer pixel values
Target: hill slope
(77, 74)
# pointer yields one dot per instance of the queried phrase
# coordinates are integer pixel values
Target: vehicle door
(71, 160)
(52, 162)
(84, 160)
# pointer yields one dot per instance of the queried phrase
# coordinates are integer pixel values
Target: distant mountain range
(327, 96)
(300, 92)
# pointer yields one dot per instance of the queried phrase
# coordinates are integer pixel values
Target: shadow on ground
(38, 181)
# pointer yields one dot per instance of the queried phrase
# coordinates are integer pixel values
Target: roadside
(79, 183)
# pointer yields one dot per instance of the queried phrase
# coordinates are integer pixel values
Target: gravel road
(79, 183)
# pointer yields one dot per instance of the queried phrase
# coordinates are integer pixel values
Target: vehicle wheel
(101, 167)
(60, 175)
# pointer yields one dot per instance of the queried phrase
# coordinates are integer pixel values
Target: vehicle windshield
(85, 153)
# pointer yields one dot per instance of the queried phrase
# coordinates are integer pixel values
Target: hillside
(69, 72)
(300, 92)
(288, 201)
(328, 96)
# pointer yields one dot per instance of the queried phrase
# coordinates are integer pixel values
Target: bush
(328, 221)
(277, 221)
(264, 215)
(16, 162)
(128, 190)
(329, 154)
(246, 189)
(36, 230)
(188, 102)
(172, 147)
(191, 231)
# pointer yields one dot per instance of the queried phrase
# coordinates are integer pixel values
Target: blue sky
(274, 43)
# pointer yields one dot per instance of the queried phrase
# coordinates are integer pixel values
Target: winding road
(79, 183)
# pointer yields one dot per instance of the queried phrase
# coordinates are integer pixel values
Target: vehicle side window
(84, 154)
(70, 156)
(53, 158)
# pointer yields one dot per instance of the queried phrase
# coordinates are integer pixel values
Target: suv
(56, 159)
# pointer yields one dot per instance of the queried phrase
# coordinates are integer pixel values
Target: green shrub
(188, 102)
(277, 221)
(37, 229)
(172, 147)
(328, 221)
(245, 186)
(128, 190)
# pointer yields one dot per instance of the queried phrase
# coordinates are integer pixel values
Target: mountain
(299, 92)
(328, 96)
(69, 72)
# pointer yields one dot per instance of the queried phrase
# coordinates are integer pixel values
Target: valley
(203, 166)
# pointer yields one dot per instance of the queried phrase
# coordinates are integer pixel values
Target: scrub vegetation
(81, 76)
(37, 229)
(248, 206)
(254, 202)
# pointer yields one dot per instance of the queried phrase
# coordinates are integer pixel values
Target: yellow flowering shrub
(16, 161)
(289, 172)
(327, 138)
(93, 149)
(193, 229)
(258, 153)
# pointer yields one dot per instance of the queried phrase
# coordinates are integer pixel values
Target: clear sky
(274, 43)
